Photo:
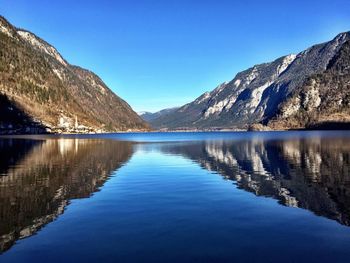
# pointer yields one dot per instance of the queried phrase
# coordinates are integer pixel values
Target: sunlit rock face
(256, 94)
(313, 174)
(322, 100)
(37, 185)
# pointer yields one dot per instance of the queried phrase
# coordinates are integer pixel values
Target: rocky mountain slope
(323, 101)
(256, 95)
(37, 82)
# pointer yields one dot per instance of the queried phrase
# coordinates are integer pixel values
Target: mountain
(323, 101)
(146, 115)
(45, 92)
(264, 93)
(149, 116)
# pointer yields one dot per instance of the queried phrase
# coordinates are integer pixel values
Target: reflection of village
(39, 177)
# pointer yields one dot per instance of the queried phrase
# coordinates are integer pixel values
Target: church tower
(76, 122)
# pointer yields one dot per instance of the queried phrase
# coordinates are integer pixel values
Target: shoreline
(172, 131)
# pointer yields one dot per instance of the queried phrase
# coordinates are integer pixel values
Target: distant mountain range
(40, 90)
(149, 116)
(307, 90)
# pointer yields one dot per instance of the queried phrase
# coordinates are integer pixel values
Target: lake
(176, 197)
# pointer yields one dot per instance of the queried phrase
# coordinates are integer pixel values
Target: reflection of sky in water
(169, 196)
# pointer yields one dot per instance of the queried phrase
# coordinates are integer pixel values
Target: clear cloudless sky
(159, 54)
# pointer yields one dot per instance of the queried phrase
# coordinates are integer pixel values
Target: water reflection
(313, 174)
(40, 177)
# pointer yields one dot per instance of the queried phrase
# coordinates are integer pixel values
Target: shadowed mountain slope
(35, 77)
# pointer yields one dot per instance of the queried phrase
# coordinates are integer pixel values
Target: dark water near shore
(176, 197)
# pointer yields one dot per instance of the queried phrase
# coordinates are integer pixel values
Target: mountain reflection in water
(38, 178)
(38, 187)
(313, 174)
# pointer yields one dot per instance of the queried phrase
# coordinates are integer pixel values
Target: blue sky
(159, 54)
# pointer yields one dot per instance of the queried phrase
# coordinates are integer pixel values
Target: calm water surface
(176, 197)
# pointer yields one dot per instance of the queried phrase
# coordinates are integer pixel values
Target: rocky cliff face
(40, 84)
(256, 95)
(323, 101)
